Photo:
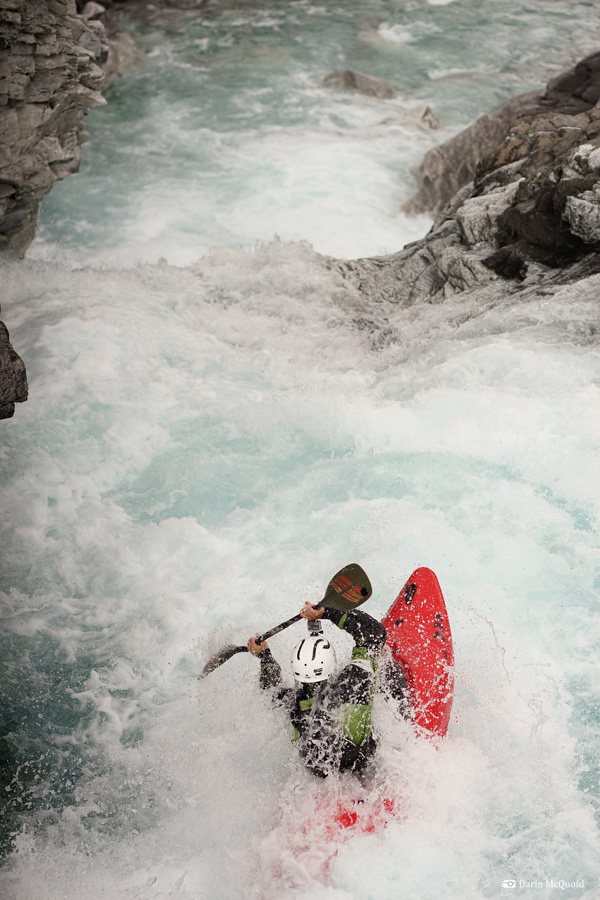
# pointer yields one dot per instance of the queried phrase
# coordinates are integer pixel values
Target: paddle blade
(219, 658)
(348, 589)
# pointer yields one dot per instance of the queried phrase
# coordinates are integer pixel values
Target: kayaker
(330, 711)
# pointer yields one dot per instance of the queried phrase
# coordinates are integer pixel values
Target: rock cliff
(529, 218)
(50, 76)
(53, 65)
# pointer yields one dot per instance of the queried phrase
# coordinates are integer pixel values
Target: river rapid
(212, 433)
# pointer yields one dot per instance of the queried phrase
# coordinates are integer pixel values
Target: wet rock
(530, 215)
(50, 77)
(553, 216)
(54, 63)
(449, 166)
(446, 168)
(351, 80)
(413, 114)
(478, 216)
(123, 53)
(13, 379)
(583, 215)
(92, 10)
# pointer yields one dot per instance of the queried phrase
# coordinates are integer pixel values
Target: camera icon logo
(509, 883)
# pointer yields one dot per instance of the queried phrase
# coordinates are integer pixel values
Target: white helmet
(313, 659)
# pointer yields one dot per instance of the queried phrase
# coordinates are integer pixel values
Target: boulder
(406, 114)
(123, 52)
(351, 80)
(13, 379)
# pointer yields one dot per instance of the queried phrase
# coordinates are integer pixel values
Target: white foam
(212, 452)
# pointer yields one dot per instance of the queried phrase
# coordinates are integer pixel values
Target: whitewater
(215, 428)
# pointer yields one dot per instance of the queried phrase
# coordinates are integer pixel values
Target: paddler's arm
(270, 670)
(366, 631)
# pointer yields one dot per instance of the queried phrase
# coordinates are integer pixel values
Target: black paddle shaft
(265, 637)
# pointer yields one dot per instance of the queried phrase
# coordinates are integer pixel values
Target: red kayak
(419, 637)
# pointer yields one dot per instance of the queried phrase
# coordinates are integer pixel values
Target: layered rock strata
(520, 212)
(50, 76)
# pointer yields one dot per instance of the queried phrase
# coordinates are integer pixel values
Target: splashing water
(211, 436)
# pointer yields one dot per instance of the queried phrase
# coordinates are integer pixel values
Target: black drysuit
(331, 720)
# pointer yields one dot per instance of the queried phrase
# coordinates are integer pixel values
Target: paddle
(349, 588)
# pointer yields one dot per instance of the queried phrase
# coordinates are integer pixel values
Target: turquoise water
(209, 437)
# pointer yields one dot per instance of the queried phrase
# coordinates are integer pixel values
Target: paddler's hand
(255, 648)
(311, 612)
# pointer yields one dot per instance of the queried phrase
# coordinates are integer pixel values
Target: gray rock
(54, 64)
(555, 159)
(123, 53)
(49, 78)
(583, 215)
(419, 114)
(13, 379)
(478, 216)
(530, 216)
(582, 212)
(449, 166)
(351, 80)
(92, 10)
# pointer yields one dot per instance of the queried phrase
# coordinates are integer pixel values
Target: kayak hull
(420, 642)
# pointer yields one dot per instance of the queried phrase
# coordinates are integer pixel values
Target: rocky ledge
(529, 215)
